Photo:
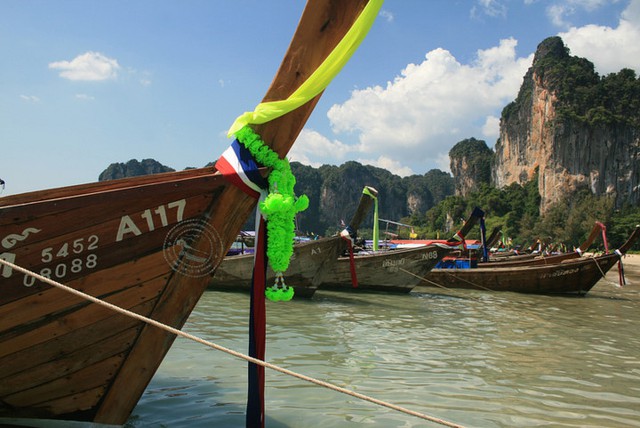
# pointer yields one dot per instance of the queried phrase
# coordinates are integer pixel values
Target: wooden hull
(396, 271)
(62, 356)
(308, 265)
(574, 276)
(148, 244)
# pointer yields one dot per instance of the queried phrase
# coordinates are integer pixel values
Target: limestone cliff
(133, 168)
(470, 163)
(567, 123)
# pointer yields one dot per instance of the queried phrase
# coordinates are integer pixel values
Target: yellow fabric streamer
(376, 232)
(318, 81)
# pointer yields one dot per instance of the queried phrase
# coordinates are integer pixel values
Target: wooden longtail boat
(395, 270)
(572, 276)
(310, 262)
(148, 244)
(533, 259)
(493, 237)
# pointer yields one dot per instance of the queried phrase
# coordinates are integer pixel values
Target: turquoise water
(474, 358)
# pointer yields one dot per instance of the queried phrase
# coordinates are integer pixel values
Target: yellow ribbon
(318, 81)
(376, 233)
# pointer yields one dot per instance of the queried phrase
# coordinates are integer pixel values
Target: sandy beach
(631, 264)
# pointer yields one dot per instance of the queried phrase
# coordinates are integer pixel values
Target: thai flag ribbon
(238, 166)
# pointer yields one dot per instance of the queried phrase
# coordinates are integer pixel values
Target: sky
(86, 83)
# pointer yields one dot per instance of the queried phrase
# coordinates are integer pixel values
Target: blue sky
(85, 83)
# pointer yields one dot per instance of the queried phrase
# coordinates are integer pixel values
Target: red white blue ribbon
(238, 167)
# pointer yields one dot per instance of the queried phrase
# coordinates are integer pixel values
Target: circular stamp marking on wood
(193, 248)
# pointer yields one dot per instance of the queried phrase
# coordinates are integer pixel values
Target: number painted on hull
(430, 255)
(61, 270)
(150, 219)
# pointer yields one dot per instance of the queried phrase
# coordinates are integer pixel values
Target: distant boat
(546, 259)
(147, 244)
(393, 270)
(571, 276)
(311, 260)
(397, 271)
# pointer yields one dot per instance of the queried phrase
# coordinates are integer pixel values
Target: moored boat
(398, 271)
(571, 276)
(393, 270)
(546, 259)
(147, 244)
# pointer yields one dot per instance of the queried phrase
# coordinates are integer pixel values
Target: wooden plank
(88, 378)
(70, 362)
(60, 346)
(100, 186)
(101, 284)
(115, 193)
(80, 318)
(52, 300)
(73, 403)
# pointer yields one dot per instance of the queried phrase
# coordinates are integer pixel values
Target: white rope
(227, 350)
(450, 274)
(604, 275)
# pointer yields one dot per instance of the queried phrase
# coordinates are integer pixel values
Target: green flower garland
(279, 208)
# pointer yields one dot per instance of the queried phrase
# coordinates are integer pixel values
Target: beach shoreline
(631, 266)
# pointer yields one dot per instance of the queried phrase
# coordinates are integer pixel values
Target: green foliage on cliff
(515, 209)
(583, 95)
(334, 193)
(133, 168)
(478, 157)
(470, 148)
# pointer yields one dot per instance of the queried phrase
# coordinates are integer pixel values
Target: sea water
(474, 358)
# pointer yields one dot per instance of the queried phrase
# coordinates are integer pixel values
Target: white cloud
(386, 15)
(84, 97)
(313, 148)
(610, 49)
(557, 14)
(30, 98)
(493, 7)
(491, 128)
(417, 118)
(390, 165)
(92, 66)
(560, 12)
(145, 78)
(443, 162)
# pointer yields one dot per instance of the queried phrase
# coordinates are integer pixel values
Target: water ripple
(471, 357)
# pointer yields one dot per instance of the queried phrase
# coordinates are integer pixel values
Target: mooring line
(448, 273)
(227, 350)
(425, 279)
(604, 275)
